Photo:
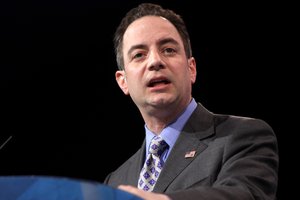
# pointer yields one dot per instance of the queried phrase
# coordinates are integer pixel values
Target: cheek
(135, 77)
(131, 82)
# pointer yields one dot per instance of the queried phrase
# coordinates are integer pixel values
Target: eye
(137, 56)
(170, 51)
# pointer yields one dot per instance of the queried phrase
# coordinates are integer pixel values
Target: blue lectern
(57, 188)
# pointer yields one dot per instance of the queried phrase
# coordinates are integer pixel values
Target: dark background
(64, 110)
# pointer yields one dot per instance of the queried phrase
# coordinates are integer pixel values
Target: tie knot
(157, 146)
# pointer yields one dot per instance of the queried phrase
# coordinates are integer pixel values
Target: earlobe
(193, 69)
(121, 80)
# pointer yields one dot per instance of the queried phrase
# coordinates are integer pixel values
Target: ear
(193, 69)
(121, 80)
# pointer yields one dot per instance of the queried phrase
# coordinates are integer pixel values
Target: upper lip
(159, 79)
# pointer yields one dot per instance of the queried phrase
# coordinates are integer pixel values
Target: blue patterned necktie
(153, 165)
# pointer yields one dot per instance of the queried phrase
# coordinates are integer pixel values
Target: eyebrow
(138, 46)
(168, 40)
(160, 43)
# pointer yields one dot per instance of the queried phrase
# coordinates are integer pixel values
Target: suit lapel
(198, 127)
(136, 166)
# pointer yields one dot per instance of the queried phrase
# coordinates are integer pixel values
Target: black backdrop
(64, 110)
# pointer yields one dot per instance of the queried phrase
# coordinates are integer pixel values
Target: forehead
(150, 28)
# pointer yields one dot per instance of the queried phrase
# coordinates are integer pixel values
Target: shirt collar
(171, 132)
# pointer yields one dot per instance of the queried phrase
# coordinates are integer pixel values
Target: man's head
(148, 9)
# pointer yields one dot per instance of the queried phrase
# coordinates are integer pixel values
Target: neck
(159, 118)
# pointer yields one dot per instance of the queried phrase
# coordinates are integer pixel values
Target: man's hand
(143, 194)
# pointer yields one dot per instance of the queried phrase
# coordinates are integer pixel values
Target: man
(207, 155)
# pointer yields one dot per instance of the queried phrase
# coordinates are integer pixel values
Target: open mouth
(155, 82)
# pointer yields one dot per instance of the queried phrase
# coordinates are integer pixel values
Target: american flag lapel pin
(190, 154)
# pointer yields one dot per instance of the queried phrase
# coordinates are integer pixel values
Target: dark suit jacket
(236, 158)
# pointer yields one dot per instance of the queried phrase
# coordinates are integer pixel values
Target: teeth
(157, 81)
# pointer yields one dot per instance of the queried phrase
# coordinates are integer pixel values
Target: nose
(155, 61)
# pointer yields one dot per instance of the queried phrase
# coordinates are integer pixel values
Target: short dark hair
(146, 9)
